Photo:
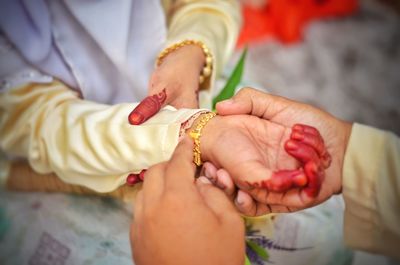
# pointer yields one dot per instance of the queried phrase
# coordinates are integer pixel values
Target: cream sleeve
(83, 142)
(371, 189)
(214, 22)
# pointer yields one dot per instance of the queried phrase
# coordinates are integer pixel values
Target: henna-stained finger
(147, 108)
(284, 180)
(133, 179)
(302, 152)
(315, 176)
(314, 140)
(306, 129)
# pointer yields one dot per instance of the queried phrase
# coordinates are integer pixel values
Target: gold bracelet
(207, 69)
(196, 134)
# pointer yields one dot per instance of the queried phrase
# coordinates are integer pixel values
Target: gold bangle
(195, 134)
(207, 68)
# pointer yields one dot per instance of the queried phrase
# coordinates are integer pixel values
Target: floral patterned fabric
(44, 229)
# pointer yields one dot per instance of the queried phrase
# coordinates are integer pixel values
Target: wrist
(203, 131)
(191, 53)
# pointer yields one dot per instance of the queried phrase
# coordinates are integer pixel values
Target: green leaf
(261, 252)
(229, 89)
(246, 260)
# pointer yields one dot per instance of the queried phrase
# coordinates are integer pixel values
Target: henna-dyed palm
(305, 144)
(175, 82)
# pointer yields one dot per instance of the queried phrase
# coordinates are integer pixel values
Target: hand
(287, 113)
(252, 150)
(175, 82)
(178, 220)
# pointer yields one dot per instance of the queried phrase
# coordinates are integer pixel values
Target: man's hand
(179, 220)
(287, 113)
(175, 82)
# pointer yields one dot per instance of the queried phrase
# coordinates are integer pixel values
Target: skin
(175, 82)
(164, 232)
(147, 108)
(284, 112)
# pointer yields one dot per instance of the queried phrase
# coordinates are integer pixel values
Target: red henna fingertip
(136, 118)
(147, 108)
(315, 177)
(300, 180)
(297, 127)
(301, 152)
(284, 180)
(291, 145)
(132, 179)
(141, 174)
(297, 135)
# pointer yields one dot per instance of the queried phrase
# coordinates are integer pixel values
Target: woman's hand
(175, 82)
(179, 220)
(285, 113)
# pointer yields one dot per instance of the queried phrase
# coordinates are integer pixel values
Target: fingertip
(202, 180)
(245, 204)
(224, 106)
(224, 180)
(210, 171)
(291, 145)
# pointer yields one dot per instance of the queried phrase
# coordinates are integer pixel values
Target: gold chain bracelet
(207, 69)
(195, 134)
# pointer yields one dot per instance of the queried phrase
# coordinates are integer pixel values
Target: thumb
(214, 198)
(253, 102)
(147, 108)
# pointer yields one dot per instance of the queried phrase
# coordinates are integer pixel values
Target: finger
(284, 180)
(133, 179)
(225, 182)
(245, 204)
(180, 171)
(147, 108)
(314, 141)
(295, 199)
(220, 178)
(209, 171)
(311, 136)
(315, 177)
(251, 175)
(214, 198)
(254, 102)
(306, 129)
(153, 183)
(302, 152)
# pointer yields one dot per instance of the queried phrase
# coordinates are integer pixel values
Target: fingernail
(207, 173)
(239, 198)
(135, 118)
(204, 180)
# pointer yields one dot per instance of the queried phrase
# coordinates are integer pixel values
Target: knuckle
(246, 91)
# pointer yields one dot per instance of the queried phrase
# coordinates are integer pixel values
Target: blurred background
(340, 55)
